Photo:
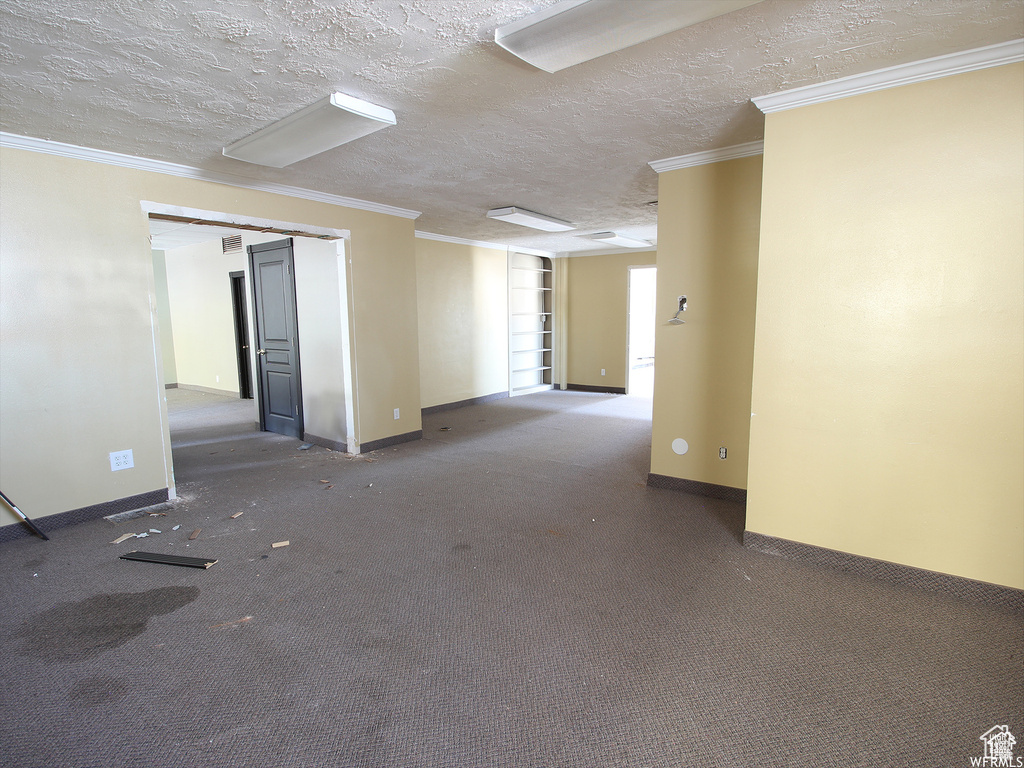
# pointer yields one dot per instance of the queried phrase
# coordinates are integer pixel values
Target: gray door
(277, 337)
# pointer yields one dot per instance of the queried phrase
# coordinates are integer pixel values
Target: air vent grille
(232, 243)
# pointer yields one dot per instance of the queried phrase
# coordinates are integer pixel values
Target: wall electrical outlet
(722, 452)
(396, 414)
(121, 460)
(602, 371)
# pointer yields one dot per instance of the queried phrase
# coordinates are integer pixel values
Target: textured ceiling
(477, 128)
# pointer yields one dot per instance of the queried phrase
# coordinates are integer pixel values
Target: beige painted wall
(708, 219)
(462, 296)
(80, 373)
(383, 324)
(163, 314)
(598, 314)
(888, 393)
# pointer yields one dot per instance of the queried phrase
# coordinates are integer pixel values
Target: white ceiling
(477, 127)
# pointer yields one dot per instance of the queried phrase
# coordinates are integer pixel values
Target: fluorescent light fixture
(573, 31)
(529, 219)
(328, 123)
(610, 239)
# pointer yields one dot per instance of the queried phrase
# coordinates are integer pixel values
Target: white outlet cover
(121, 460)
(396, 413)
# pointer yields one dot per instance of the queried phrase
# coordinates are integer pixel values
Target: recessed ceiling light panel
(529, 219)
(612, 239)
(573, 31)
(327, 124)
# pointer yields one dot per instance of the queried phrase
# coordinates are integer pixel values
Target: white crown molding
(709, 156)
(482, 244)
(608, 252)
(47, 147)
(891, 77)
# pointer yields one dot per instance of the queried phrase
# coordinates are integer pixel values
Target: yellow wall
(708, 219)
(598, 311)
(80, 373)
(462, 294)
(888, 388)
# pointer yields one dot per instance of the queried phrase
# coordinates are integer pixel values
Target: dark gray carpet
(505, 593)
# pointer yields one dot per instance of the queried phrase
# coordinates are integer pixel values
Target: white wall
(202, 322)
(163, 316)
(320, 294)
(204, 337)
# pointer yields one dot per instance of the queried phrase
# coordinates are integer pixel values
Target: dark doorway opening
(241, 319)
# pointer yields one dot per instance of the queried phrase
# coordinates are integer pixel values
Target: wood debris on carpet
(237, 514)
(277, 544)
(156, 557)
(192, 536)
(123, 537)
(233, 624)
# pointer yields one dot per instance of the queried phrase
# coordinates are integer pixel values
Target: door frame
(243, 222)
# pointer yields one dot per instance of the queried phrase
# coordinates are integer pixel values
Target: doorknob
(261, 351)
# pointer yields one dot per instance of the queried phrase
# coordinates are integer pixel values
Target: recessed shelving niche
(530, 323)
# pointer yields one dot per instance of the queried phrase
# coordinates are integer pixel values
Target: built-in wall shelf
(529, 390)
(530, 323)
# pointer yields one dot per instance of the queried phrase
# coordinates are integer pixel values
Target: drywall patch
(680, 446)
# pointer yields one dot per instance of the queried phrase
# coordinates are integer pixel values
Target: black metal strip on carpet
(155, 557)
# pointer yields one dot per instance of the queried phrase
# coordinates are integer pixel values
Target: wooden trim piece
(156, 557)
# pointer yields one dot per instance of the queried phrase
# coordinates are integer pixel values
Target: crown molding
(891, 77)
(709, 156)
(609, 251)
(482, 244)
(48, 147)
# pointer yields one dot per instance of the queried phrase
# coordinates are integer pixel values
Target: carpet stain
(94, 691)
(463, 547)
(87, 628)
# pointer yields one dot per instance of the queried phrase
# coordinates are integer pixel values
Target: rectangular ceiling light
(573, 31)
(610, 238)
(328, 123)
(529, 219)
